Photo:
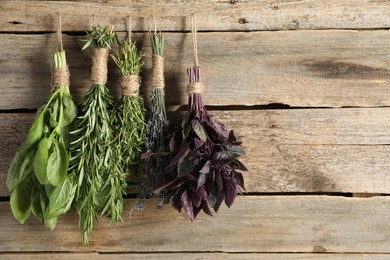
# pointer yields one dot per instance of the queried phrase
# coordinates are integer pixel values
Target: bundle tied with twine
(156, 142)
(203, 169)
(98, 190)
(129, 115)
(42, 160)
(99, 68)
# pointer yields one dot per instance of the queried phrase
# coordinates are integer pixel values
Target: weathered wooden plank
(301, 68)
(212, 15)
(299, 150)
(253, 224)
(193, 255)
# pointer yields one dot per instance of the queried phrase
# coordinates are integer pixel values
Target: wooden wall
(306, 86)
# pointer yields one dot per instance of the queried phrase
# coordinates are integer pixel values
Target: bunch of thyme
(129, 120)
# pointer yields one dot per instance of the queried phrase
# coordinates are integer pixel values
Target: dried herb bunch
(156, 131)
(129, 121)
(91, 161)
(37, 178)
(203, 169)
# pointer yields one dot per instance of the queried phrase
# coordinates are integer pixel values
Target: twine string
(158, 72)
(130, 85)
(194, 40)
(60, 46)
(129, 28)
(99, 66)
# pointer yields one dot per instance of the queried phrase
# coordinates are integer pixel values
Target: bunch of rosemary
(129, 115)
(37, 178)
(91, 162)
(156, 131)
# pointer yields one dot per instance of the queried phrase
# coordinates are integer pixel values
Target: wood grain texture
(252, 224)
(298, 150)
(190, 256)
(301, 68)
(242, 15)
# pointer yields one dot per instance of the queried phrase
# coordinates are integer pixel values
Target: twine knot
(60, 77)
(195, 88)
(158, 71)
(130, 85)
(99, 66)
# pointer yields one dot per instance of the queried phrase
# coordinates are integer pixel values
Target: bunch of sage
(129, 115)
(91, 162)
(203, 170)
(157, 125)
(37, 177)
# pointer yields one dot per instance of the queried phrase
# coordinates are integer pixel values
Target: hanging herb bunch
(37, 177)
(91, 162)
(156, 131)
(203, 170)
(130, 114)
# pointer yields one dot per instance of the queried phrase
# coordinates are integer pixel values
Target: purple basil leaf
(239, 179)
(236, 164)
(175, 201)
(199, 130)
(181, 154)
(206, 208)
(218, 180)
(203, 174)
(231, 192)
(202, 192)
(196, 211)
(232, 137)
(187, 205)
(187, 164)
(198, 143)
(174, 141)
(164, 181)
(220, 129)
(176, 184)
(236, 149)
(219, 199)
(196, 200)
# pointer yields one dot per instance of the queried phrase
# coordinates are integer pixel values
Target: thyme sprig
(129, 121)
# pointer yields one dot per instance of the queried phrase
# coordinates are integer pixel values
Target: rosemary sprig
(92, 153)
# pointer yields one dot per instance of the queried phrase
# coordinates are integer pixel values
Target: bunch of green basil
(37, 177)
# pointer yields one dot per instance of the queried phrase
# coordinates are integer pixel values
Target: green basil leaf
(59, 199)
(58, 163)
(35, 132)
(21, 201)
(40, 161)
(36, 207)
(21, 167)
(70, 110)
(54, 113)
(51, 223)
